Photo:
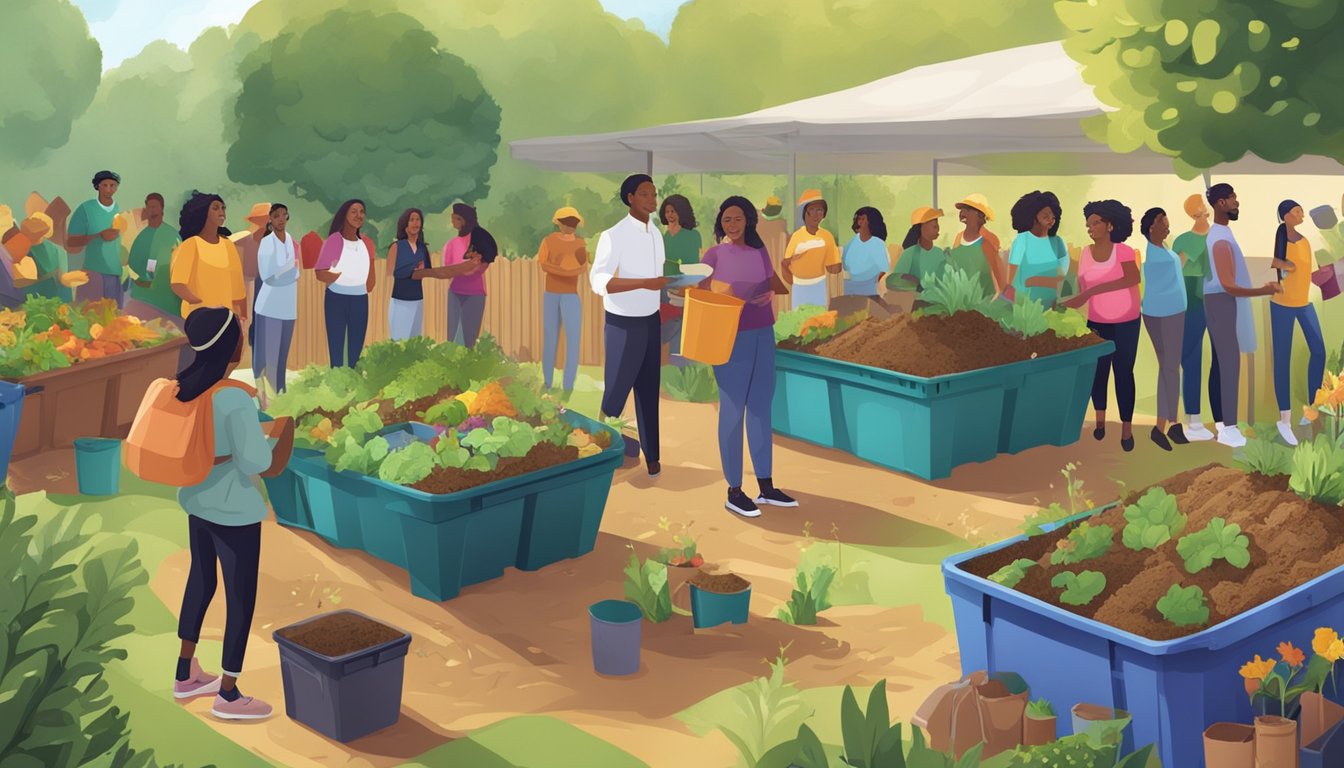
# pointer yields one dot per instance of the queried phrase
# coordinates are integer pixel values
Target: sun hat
(567, 212)
(925, 214)
(978, 202)
(38, 225)
(260, 214)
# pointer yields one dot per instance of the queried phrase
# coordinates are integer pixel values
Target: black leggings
(238, 552)
(1125, 336)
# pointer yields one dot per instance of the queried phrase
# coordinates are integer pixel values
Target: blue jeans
(347, 324)
(271, 350)
(1192, 362)
(561, 309)
(633, 354)
(746, 389)
(811, 295)
(405, 319)
(1281, 321)
(257, 361)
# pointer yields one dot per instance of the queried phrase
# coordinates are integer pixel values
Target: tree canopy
(1208, 81)
(52, 68)
(364, 104)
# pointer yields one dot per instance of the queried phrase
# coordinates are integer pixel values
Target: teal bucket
(98, 465)
(710, 609)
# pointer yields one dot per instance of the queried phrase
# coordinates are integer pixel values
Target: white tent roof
(966, 113)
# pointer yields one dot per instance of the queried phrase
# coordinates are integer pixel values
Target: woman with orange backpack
(224, 512)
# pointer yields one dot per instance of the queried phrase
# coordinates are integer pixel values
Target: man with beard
(1227, 294)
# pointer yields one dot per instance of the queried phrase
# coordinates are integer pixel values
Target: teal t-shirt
(90, 218)
(1037, 257)
(51, 260)
(681, 248)
(1196, 249)
(923, 264)
(229, 494)
(155, 243)
(970, 258)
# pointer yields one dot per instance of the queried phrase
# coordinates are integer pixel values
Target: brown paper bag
(1319, 715)
(1000, 714)
(951, 717)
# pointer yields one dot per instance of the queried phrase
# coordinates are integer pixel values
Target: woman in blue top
(865, 257)
(1038, 260)
(408, 265)
(1163, 305)
(277, 305)
(224, 512)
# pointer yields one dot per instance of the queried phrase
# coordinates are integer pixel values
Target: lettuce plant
(1084, 542)
(1153, 521)
(1218, 540)
(1013, 573)
(1184, 606)
(1079, 588)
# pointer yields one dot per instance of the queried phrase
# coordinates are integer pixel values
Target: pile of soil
(1292, 541)
(725, 584)
(339, 634)
(446, 480)
(411, 411)
(937, 345)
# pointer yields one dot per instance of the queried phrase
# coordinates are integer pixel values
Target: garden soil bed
(1292, 541)
(725, 584)
(447, 480)
(340, 634)
(937, 345)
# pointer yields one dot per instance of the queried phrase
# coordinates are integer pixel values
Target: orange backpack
(172, 442)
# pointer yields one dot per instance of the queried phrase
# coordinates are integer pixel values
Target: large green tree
(52, 67)
(364, 104)
(1207, 81)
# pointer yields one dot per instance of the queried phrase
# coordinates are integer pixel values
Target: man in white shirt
(628, 274)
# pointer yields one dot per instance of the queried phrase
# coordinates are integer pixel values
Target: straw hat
(260, 214)
(37, 226)
(978, 202)
(924, 215)
(810, 196)
(567, 212)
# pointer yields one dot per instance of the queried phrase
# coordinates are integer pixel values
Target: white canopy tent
(1012, 112)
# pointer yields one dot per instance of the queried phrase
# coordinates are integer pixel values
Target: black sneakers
(1177, 435)
(1160, 439)
(740, 504)
(771, 495)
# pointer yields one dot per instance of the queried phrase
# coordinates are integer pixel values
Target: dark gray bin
(343, 697)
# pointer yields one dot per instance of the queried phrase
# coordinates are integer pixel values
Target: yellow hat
(261, 213)
(773, 201)
(978, 202)
(810, 196)
(38, 225)
(567, 212)
(924, 215)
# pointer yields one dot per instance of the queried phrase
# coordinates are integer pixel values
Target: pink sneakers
(198, 684)
(242, 708)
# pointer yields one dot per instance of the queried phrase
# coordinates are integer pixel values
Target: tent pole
(935, 183)
(792, 202)
(1208, 180)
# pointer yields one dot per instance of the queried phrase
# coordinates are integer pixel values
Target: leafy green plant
(1076, 751)
(1028, 318)
(1013, 573)
(769, 709)
(446, 413)
(1318, 471)
(1219, 539)
(953, 291)
(1265, 454)
(452, 455)
(1184, 606)
(507, 438)
(646, 585)
(871, 739)
(1068, 323)
(810, 597)
(685, 548)
(789, 324)
(64, 605)
(1079, 588)
(348, 453)
(1078, 501)
(1084, 542)
(409, 465)
(1152, 521)
(416, 381)
(692, 383)
(1040, 709)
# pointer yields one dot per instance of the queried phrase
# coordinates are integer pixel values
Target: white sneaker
(1286, 432)
(1231, 437)
(1304, 422)
(1197, 433)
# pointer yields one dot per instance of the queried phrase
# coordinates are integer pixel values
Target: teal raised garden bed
(449, 541)
(928, 426)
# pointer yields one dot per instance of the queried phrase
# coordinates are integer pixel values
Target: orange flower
(1310, 413)
(1322, 641)
(1293, 657)
(1258, 669)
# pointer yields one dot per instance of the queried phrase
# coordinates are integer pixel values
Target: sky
(124, 27)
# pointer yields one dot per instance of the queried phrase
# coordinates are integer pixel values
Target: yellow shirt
(1296, 284)
(811, 255)
(213, 272)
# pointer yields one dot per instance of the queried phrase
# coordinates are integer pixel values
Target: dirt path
(520, 644)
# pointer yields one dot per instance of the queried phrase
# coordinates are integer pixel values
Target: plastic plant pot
(399, 436)
(343, 697)
(11, 411)
(98, 465)
(1326, 751)
(710, 609)
(616, 631)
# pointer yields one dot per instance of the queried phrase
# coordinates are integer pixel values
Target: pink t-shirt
(454, 252)
(1119, 306)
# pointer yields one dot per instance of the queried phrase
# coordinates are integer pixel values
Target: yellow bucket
(709, 326)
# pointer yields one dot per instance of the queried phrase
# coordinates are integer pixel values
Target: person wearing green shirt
(54, 278)
(151, 258)
(975, 250)
(1038, 261)
(681, 245)
(920, 261)
(1194, 249)
(93, 228)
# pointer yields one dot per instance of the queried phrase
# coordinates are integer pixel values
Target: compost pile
(937, 345)
(47, 334)
(722, 584)
(1291, 541)
(338, 634)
